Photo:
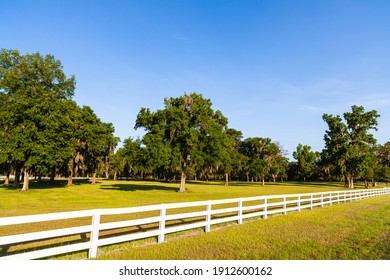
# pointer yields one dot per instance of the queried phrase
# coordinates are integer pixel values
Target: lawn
(45, 198)
(356, 230)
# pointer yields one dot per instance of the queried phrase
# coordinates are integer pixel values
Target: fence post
(299, 203)
(311, 202)
(94, 234)
(208, 216)
(284, 205)
(322, 200)
(240, 211)
(161, 227)
(265, 208)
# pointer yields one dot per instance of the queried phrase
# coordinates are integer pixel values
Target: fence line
(161, 220)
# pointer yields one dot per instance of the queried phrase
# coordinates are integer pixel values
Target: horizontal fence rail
(155, 221)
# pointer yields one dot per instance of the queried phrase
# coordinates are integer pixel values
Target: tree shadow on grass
(46, 184)
(137, 187)
(317, 184)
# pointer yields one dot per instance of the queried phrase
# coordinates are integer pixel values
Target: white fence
(159, 220)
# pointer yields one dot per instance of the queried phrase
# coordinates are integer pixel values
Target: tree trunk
(226, 179)
(52, 175)
(366, 184)
(107, 171)
(182, 182)
(247, 178)
(17, 177)
(7, 178)
(115, 175)
(25, 180)
(70, 177)
(94, 178)
(262, 181)
(349, 182)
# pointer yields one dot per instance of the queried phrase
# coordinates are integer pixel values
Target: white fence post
(240, 211)
(322, 200)
(208, 216)
(161, 227)
(299, 203)
(284, 205)
(265, 208)
(94, 234)
(311, 202)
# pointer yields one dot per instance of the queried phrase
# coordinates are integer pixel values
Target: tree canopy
(40, 125)
(187, 134)
(348, 145)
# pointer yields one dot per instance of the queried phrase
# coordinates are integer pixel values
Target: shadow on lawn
(136, 187)
(45, 184)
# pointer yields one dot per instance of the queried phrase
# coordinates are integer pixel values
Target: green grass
(352, 231)
(336, 232)
(44, 198)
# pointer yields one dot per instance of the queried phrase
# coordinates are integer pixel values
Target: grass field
(359, 230)
(45, 198)
(356, 230)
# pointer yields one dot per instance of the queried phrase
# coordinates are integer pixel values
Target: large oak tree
(349, 145)
(187, 129)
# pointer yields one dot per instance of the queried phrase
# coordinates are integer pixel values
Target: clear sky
(272, 67)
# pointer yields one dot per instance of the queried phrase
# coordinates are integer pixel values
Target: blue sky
(272, 67)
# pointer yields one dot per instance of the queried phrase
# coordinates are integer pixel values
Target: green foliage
(306, 161)
(348, 145)
(35, 96)
(186, 135)
(41, 128)
(382, 153)
(263, 158)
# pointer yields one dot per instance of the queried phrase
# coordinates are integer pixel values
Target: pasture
(363, 224)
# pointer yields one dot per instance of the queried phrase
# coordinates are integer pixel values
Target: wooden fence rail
(158, 221)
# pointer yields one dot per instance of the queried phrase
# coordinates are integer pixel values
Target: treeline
(188, 139)
(44, 133)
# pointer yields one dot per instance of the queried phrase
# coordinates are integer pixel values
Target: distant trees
(306, 161)
(349, 146)
(264, 159)
(382, 170)
(39, 123)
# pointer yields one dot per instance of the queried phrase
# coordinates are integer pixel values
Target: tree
(132, 156)
(382, 153)
(186, 128)
(306, 160)
(264, 157)
(33, 92)
(95, 139)
(347, 145)
(232, 160)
